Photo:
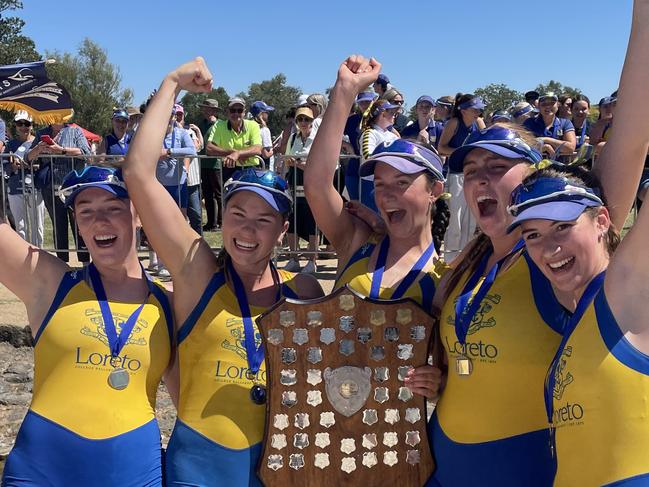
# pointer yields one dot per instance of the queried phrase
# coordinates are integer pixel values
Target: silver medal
(118, 378)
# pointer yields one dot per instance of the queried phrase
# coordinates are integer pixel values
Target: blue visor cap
(120, 114)
(406, 157)
(475, 102)
(259, 107)
(523, 110)
(365, 96)
(273, 189)
(555, 199)
(106, 178)
(426, 98)
(497, 139)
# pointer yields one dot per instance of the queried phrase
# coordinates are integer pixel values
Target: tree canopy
(499, 96)
(14, 46)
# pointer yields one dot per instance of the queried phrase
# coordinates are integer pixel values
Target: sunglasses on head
(268, 180)
(542, 190)
(236, 110)
(23, 124)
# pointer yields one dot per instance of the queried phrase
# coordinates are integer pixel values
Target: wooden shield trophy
(338, 410)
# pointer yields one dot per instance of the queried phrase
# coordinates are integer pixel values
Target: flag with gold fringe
(27, 87)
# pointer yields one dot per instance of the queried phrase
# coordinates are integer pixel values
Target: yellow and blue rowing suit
(218, 433)
(600, 409)
(421, 288)
(490, 427)
(79, 430)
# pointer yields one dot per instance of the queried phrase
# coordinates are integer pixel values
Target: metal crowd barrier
(27, 174)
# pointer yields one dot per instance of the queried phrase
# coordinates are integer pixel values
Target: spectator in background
(465, 120)
(210, 168)
(565, 107)
(301, 223)
(424, 130)
(600, 130)
(116, 143)
(375, 129)
(500, 116)
(260, 111)
(381, 85)
(67, 141)
(521, 112)
(134, 117)
(556, 134)
(237, 141)
(444, 109)
(3, 193)
(580, 112)
(194, 211)
(532, 97)
(353, 134)
(396, 98)
(25, 201)
(318, 104)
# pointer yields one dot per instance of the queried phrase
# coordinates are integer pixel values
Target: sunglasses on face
(303, 119)
(23, 124)
(236, 110)
(398, 102)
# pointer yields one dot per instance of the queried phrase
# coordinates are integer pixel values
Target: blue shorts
(179, 194)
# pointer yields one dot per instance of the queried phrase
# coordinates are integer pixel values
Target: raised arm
(620, 165)
(182, 250)
(342, 230)
(30, 273)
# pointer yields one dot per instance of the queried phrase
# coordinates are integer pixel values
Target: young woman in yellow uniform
(102, 343)
(407, 181)
(221, 412)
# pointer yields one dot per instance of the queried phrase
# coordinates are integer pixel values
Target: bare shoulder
(308, 286)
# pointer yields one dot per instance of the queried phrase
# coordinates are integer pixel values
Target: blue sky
(436, 47)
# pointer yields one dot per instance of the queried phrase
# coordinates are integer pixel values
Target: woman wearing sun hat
(103, 340)
(220, 425)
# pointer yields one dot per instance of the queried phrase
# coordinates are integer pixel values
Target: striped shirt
(68, 137)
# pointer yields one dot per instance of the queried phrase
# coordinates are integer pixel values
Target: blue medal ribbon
(586, 299)
(377, 275)
(255, 355)
(115, 342)
(465, 306)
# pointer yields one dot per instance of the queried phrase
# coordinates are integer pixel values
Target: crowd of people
(540, 368)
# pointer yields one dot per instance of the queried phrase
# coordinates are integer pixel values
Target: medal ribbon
(115, 343)
(465, 306)
(377, 275)
(550, 379)
(255, 355)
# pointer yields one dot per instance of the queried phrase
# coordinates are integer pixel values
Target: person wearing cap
(134, 117)
(599, 378)
(210, 167)
(237, 141)
(301, 223)
(500, 116)
(407, 179)
(25, 201)
(69, 142)
(532, 97)
(317, 102)
(424, 129)
(116, 143)
(601, 129)
(220, 426)
(381, 85)
(103, 340)
(260, 111)
(521, 111)
(395, 97)
(580, 112)
(556, 134)
(375, 129)
(444, 109)
(505, 445)
(353, 133)
(466, 119)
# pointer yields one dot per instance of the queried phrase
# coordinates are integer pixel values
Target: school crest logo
(97, 329)
(480, 320)
(238, 343)
(562, 378)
